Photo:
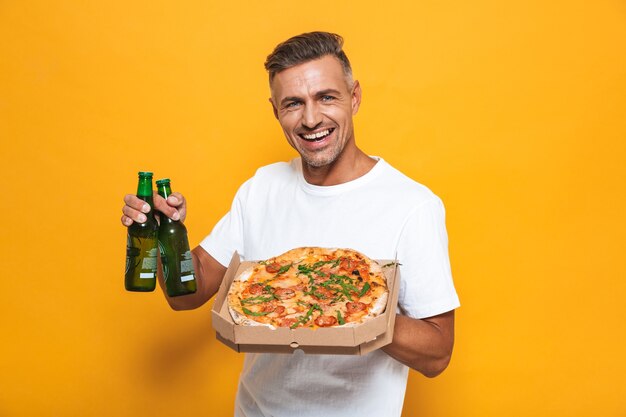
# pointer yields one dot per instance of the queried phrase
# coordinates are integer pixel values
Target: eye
(327, 98)
(292, 104)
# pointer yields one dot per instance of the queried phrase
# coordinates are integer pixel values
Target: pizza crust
(243, 320)
(379, 305)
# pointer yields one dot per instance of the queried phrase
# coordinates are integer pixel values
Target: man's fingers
(173, 207)
(162, 206)
(136, 203)
(132, 215)
(176, 200)
(181, 204)
(136, 209)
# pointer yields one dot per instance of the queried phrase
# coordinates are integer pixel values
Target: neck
(347, 167)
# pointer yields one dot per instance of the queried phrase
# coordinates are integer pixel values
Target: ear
(274, 108)
(356, 97)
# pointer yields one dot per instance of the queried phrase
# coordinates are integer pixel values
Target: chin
(317, 163)
(320, 161)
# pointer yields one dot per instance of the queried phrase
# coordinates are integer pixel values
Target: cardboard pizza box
(358, 340)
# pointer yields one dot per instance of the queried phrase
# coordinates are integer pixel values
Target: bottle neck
(144, 189)
(164, 190)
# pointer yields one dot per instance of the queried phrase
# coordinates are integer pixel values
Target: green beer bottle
(141, 244)
(175, 254)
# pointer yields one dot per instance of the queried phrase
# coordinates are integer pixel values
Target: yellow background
(513, 112)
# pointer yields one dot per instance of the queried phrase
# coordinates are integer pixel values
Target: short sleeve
(426, 287)
(227, 235)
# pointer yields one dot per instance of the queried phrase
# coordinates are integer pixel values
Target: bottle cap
(145, 174)
(163, 181)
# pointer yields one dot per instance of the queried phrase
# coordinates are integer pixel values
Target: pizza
(309, 287)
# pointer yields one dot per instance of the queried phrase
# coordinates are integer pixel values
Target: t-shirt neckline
(330, 190)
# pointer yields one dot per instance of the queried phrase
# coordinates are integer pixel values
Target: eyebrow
(327, 92)
(317, 94)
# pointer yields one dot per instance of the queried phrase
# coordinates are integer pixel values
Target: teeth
(317, 135)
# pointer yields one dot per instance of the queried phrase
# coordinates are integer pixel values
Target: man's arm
(209, 274)
(423, 344)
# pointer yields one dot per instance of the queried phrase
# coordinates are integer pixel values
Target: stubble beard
(322, 158)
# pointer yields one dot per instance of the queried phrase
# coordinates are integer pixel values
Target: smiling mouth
(317, 136)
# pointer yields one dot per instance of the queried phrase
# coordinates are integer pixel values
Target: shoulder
(400, 187)
(277, 170)
(270, 177)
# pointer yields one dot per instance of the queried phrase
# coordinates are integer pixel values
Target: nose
(311, 116)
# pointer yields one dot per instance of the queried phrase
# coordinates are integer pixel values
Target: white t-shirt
(380, 214)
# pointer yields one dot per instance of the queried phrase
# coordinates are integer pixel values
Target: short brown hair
(304, 48)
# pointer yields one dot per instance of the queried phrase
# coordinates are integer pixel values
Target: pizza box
(358, 340)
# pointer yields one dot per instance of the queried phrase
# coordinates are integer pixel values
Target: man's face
(314, 104)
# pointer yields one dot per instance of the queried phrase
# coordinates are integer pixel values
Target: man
(334, 195)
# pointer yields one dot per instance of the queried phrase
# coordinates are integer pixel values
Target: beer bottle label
(149, 263)
(186, 267)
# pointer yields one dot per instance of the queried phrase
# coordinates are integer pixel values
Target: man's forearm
(208, 274)
(424, 345)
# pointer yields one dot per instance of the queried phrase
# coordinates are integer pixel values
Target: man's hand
(208, 271)
(135, 209)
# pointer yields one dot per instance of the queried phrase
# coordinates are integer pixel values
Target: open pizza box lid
(359, 340)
